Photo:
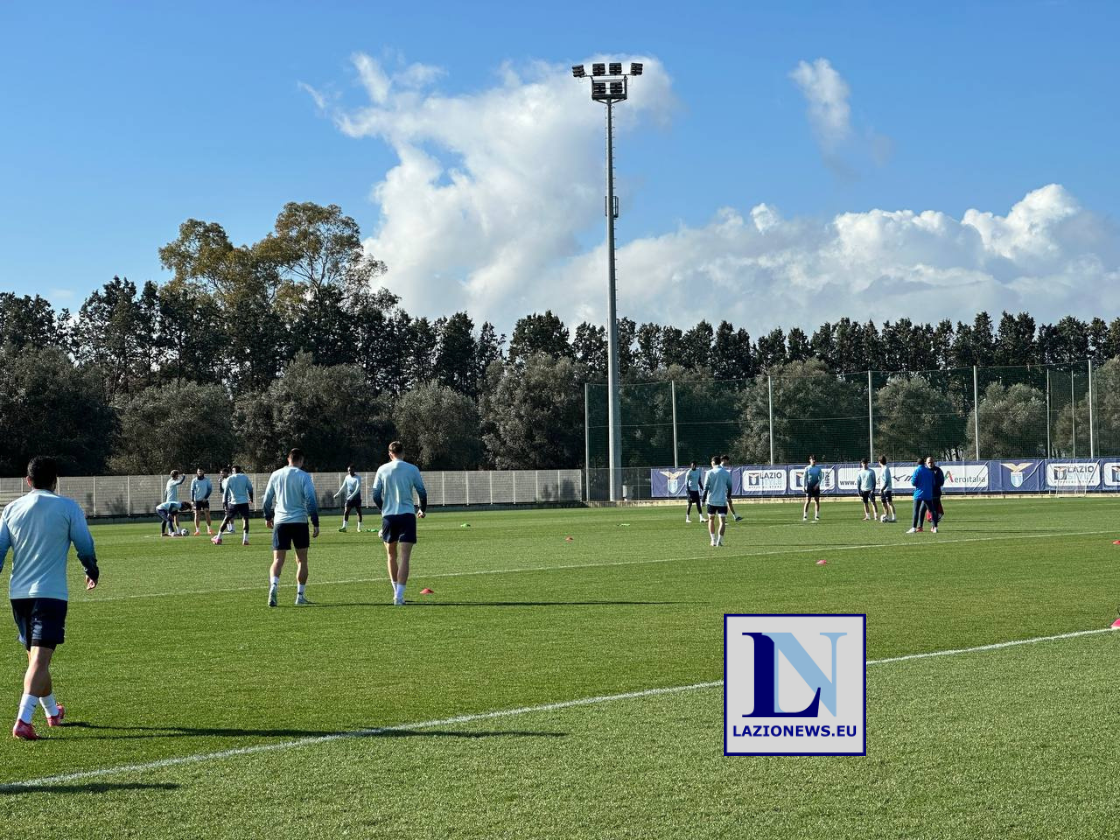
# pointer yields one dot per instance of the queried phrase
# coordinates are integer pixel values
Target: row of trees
(248, 349)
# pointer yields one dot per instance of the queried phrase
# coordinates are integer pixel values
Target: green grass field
(195, 711)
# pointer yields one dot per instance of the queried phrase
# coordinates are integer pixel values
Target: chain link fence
(1039, 411)
(138, 495)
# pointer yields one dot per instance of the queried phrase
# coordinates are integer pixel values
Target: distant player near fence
(238, 498)
(694, 485)
(866, 485)
(351, 491)
(886, 490)
(811, 478)
(201, 490)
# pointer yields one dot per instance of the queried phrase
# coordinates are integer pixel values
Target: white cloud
(493, 189)
(827, 93)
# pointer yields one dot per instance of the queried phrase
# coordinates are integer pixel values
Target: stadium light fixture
(609, 91)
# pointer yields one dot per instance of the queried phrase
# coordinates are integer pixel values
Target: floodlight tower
(610, 85)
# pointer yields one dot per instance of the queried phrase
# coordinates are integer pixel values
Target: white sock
(299, 589)
(345, 525)
(27, 706)
(273, 582)
(49, 705)
(359, 527)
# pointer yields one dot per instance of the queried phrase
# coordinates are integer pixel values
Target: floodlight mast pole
(614, 406)
(609, 84)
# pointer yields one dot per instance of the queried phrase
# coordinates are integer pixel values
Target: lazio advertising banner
(672, 482)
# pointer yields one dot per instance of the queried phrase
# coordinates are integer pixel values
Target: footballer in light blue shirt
(694, 483)
(38, 528)
(201, 490)
(717, 488)
(865, 482)
(812, 478)
(171, 489)
(237, 498)
(351, 492)
(289, 501)
(394, 488)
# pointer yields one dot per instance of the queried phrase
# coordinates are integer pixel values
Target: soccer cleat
(244, 540)
(703, 521)
(688, 519)
(56, 720)
(24, 731)
(398, 600)
(934, 529)
(197, 532)
(342, 530)
(217, 540)
(912, 531)
(209, 531)
(805, 518)
(738, 518)
(866, 518)
(301, 601)
(272, 597)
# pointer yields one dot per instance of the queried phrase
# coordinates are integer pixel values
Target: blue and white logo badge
(673, 479)
(795, 684)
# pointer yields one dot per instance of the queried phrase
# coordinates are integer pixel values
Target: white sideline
(461, 719)
(92, 598)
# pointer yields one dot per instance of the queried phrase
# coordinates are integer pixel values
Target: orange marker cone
(1116, 624)
(426, 591)
(822, 562)
(568, 539)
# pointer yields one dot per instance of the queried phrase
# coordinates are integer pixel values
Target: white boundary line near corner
(198, 758)
(715, 555)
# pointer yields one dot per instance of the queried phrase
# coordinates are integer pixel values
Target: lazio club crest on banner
(1016, 471)
(673, 480)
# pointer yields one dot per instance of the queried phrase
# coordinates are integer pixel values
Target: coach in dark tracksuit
(923, 480)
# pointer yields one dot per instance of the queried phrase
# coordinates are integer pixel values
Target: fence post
(673, 394)
(1073, 408)
(1092, 447)
(1049, 449)
(586, 442)
(770, 389)
(491, 486)
(976, 410)
(870, 420)
(128, 494)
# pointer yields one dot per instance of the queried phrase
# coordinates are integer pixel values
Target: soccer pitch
(492, 708)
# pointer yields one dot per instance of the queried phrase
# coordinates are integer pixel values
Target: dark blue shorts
(717, 510)
(694, 497)
(289, 534)
(813, 492)
(202, 504)
(354, 504)
(240, 510)
(400, 527)
(41, 621)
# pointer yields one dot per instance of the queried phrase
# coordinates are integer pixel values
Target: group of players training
(714, 491)
(40, 527)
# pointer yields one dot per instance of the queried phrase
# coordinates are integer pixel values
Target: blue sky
(121, 121)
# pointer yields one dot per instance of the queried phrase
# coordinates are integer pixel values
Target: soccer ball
(183, 532)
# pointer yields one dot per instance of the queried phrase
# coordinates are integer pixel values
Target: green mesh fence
(958, 414)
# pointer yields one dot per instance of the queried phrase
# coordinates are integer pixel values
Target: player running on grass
(201, 490)
(238, 496)
(352, 487)
(725, 462)
(866, 483)
(718, 491)
(812, 481)
(886, 483)
(393, 487)
(39, 528)
(694, 482)
(289, 501)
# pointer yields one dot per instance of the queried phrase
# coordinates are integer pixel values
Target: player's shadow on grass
(91, 787)
(516, 604)
(131, 732)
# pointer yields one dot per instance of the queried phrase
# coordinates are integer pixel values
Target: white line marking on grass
(713, 555)
(461, 719)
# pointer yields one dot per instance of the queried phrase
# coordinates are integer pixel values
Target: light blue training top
(886, 480)
(718, 486)
(351, 486)
(290, 497)
(813, 475)
(201, 488)
(866, 480)
(171, 491)
(170, 506)
(39, 528)
(393, 486)
(694, 478)
(239, 490)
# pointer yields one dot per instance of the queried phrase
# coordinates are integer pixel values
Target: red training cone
(1116, 624)
(1116, 542)
(822, 562)
(426, 591)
